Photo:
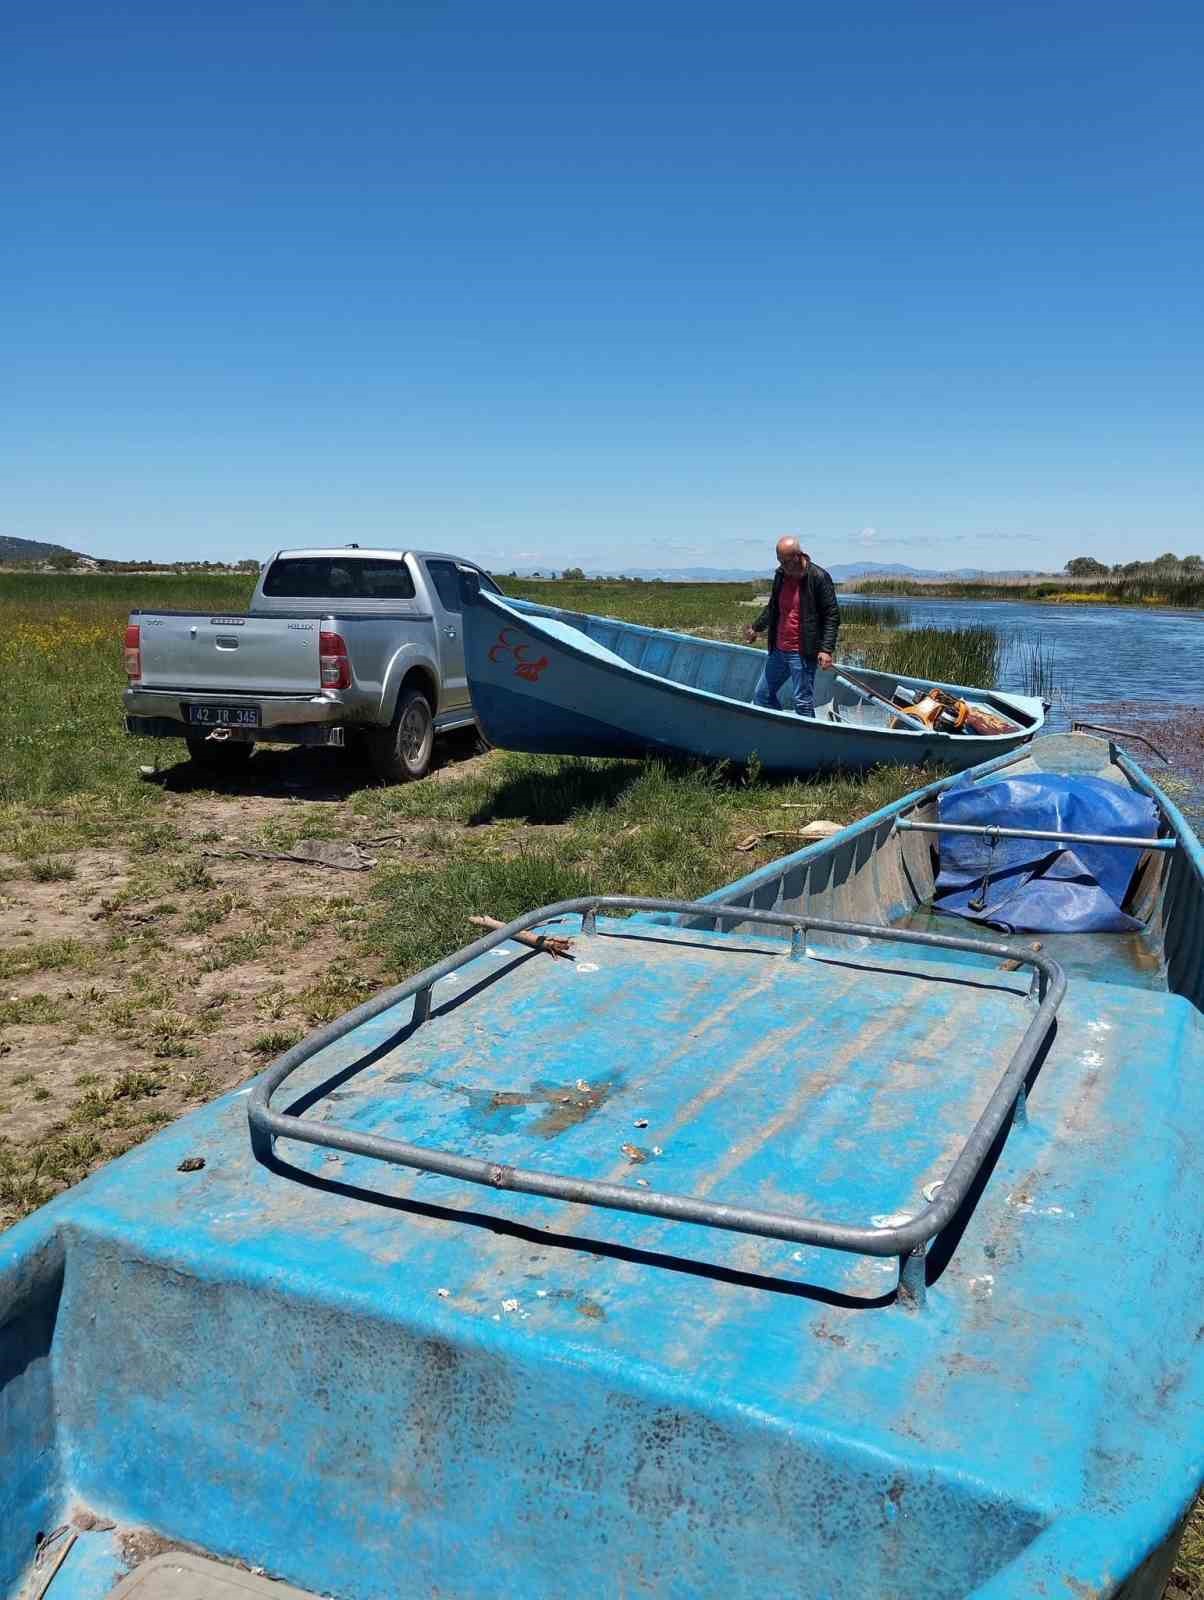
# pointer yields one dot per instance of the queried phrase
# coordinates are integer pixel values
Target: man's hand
(825, 660)
(750, 634)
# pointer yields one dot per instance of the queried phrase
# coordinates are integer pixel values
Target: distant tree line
(67, 562)
(1168, 565)
(249, 565)
(579, 575)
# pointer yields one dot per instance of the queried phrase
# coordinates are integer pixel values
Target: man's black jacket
(819, 615)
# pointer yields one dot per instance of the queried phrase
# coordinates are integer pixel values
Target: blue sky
(608, 284)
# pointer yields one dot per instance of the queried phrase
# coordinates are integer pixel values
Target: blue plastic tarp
(1037, 885)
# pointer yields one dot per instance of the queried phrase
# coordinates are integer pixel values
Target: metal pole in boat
(1119, 733)
(989, 830)
(874, 694)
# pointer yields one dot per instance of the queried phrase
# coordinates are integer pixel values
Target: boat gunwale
(1190, 847)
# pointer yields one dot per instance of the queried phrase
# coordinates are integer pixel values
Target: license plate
(222, 716)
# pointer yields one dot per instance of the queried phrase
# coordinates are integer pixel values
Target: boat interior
(880, 874)
(732, 670)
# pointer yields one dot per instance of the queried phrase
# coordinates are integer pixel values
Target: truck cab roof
(373, 552)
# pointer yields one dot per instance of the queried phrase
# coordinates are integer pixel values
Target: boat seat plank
(183, 1575)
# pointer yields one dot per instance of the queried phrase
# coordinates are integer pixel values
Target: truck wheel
(219, 756)
(402, 752)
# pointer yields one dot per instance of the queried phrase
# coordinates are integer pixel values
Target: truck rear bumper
(283, 719)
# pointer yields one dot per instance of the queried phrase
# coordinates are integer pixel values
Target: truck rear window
(335, 577)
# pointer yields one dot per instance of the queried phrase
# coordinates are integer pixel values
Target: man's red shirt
(788, 615)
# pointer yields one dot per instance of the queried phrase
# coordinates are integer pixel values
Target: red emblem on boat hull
(504, 645)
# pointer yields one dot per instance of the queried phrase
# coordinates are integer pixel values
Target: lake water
(1101, 654)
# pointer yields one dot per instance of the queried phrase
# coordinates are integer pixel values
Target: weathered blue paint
(94, 1565)
(368, 1381)
(558, 681)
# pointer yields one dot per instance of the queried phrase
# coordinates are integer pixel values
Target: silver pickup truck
(338, 645)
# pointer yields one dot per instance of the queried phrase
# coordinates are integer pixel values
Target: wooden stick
(44, 1576)
(551, 944)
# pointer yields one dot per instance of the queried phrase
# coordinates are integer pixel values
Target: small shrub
(210, 912)
(135, 1086)
(272, 1005)
(171, 1034)
(29, 1010)
(332, 995)
(239, 948)
(276, 1041)
(44, 955)
(51, 869)
(191, 873)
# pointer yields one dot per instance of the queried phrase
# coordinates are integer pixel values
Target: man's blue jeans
(783, 664)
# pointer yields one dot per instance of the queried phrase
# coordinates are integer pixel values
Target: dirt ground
(168, 968)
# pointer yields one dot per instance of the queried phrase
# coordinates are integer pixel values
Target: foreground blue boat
(567, 683)
(804, 1241)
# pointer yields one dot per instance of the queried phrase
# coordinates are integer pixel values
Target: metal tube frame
(907, 1241)
(990, 831)
(867, 692)
(1121, 733)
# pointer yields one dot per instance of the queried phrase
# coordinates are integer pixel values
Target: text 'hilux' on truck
(337, 644)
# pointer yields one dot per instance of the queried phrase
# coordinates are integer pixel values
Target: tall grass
(684, 607)
(872, 616)
(970, 656)
(1035, 658)
(109, 595)
(1180, 591)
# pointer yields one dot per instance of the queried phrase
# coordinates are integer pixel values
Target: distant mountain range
(12, 549)
(841, 572)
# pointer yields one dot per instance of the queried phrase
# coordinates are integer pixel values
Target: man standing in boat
(802, 618)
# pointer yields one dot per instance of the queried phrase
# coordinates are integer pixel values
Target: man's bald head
(791, 555)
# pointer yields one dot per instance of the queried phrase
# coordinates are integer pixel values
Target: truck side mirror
(470, 586)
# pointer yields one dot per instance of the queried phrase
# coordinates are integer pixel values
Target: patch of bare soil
(139, 980)
(126, 999)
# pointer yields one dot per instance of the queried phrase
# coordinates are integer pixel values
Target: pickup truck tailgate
(231, 654)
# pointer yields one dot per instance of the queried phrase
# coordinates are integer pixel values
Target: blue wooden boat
(544, 679)
(801, 1241)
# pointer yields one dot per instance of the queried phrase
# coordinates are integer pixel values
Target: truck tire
(222, 757)
(401, 752)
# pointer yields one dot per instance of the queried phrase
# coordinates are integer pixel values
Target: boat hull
(370, 1379)
(544, 682)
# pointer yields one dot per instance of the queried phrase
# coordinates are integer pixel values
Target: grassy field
(145, 965)
(1185, 592)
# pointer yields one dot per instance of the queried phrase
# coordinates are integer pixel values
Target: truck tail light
(334, 661)
(133, 653)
